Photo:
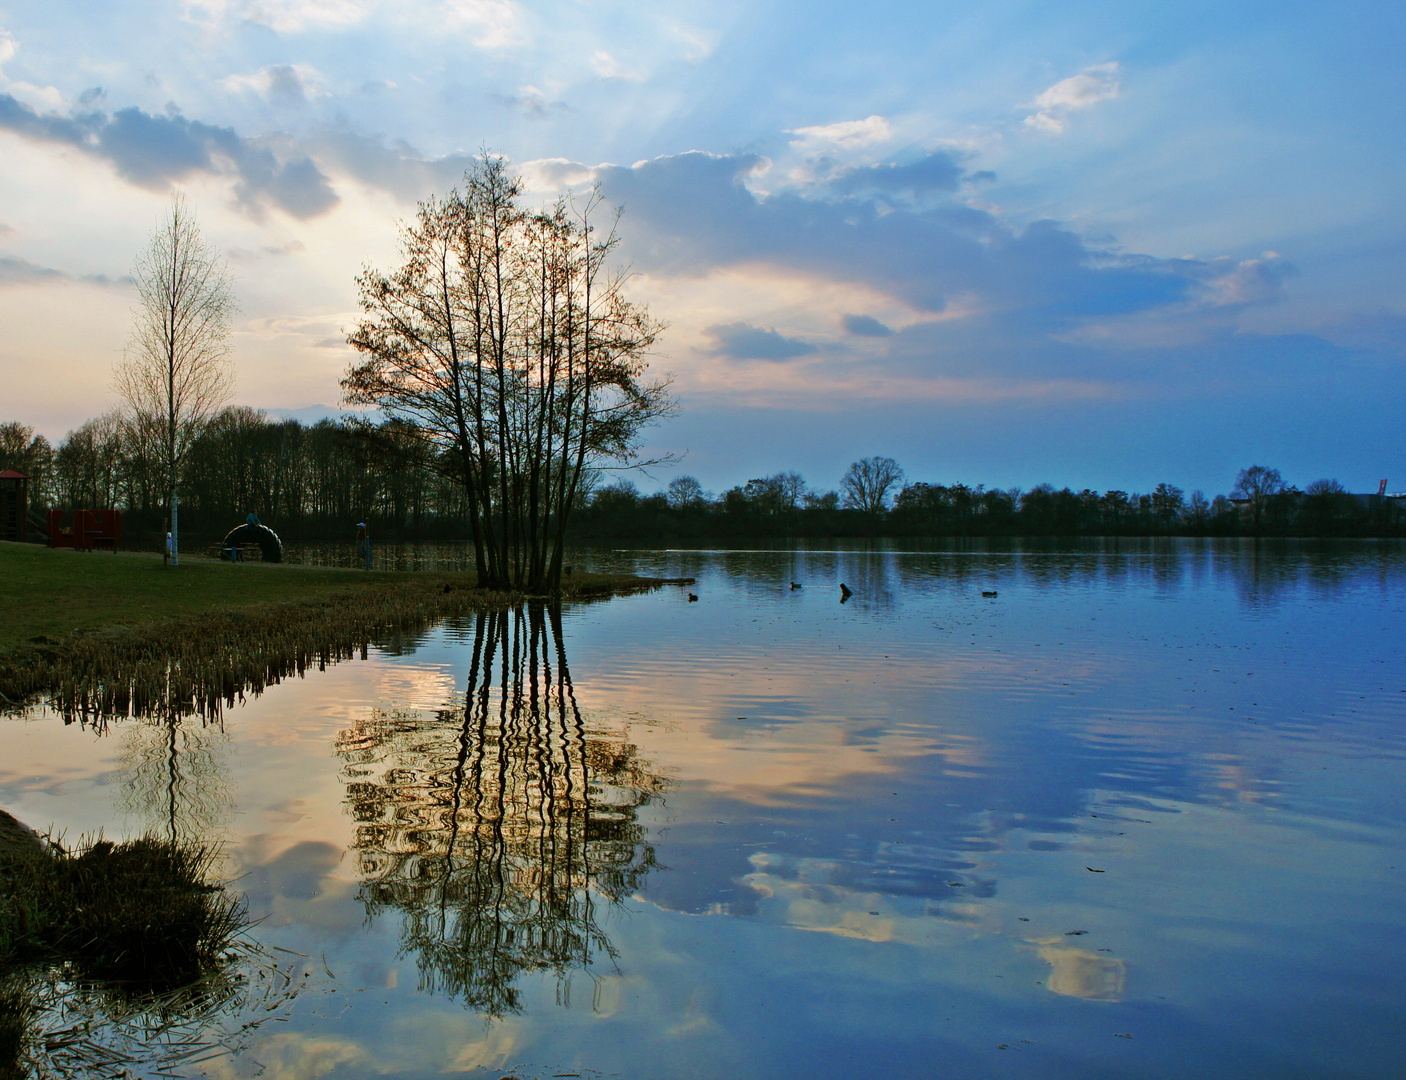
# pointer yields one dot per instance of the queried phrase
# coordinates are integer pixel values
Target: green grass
(101, 635)
(53, 593)
(146, 912)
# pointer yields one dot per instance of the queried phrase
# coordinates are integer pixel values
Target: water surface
(1138, 815)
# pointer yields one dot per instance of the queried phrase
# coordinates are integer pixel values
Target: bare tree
(867, 483)
(1257, 485)
(685, 491)
(506, 343)
(174, 377)
(88, 463)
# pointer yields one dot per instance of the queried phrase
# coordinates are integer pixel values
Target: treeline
(782, 505)
(314, 482)
(308, 482)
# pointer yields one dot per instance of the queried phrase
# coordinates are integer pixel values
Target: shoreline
(92, 636)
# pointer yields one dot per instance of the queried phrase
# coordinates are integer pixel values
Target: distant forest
(313, 483)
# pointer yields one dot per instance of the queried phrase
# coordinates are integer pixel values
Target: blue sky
(1102, 244)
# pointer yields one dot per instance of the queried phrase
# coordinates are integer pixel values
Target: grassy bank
(52, 593)
(99, 635)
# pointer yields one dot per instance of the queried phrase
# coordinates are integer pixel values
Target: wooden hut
(14, 504)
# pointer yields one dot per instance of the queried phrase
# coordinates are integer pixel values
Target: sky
(1097, 244)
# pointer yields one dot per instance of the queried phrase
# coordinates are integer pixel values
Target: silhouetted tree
(867, 483)
(24, 451)
(88, 464)
(1257, 485)
(1326, 506)
(685, 491)
(1167, 503)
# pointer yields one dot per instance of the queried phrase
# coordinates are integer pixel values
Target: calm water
(1139, 815)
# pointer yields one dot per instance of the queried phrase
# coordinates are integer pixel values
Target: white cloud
(607, 67)
(499, 22)
(1251, 281)
(47, 97)
(1078, 92)
(293, 16)
(698, 45)
(848, 134)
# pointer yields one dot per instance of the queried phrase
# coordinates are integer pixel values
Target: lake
(1139, 814)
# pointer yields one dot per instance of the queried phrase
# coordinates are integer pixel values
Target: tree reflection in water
(496, 824)
(173, 777)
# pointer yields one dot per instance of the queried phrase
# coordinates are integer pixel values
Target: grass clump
(125, 960)
(144, 913)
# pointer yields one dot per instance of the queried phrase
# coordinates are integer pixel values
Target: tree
(174, 377)
(685, 491)
(1167, 503)
(506, 344)
(867, 483)
(1326, 506)
(24, 451)
(1198, 508)
(776, 494)
(88, 464)
(1256, 486)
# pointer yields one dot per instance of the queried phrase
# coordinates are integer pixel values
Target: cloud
(937, 172)
(23, 272)
(607, 67)
(1252, 281)
(16, 271)
(690, 213)
(1078, 92)
(847, 134)
(288, 85)
(531, 101)
(283, 16)
(292, 247)
(865, 326)
(498, 23)
(396, 167)
(48, 95)
(1381, 330)
(743, 342)
(153, 151)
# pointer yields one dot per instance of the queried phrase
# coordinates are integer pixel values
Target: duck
(845, 592)
(692, 597)
(990, 593)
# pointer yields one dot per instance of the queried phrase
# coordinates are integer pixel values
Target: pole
(175, 531)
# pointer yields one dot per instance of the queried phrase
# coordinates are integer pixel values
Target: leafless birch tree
(507, 343)
(174, 376)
